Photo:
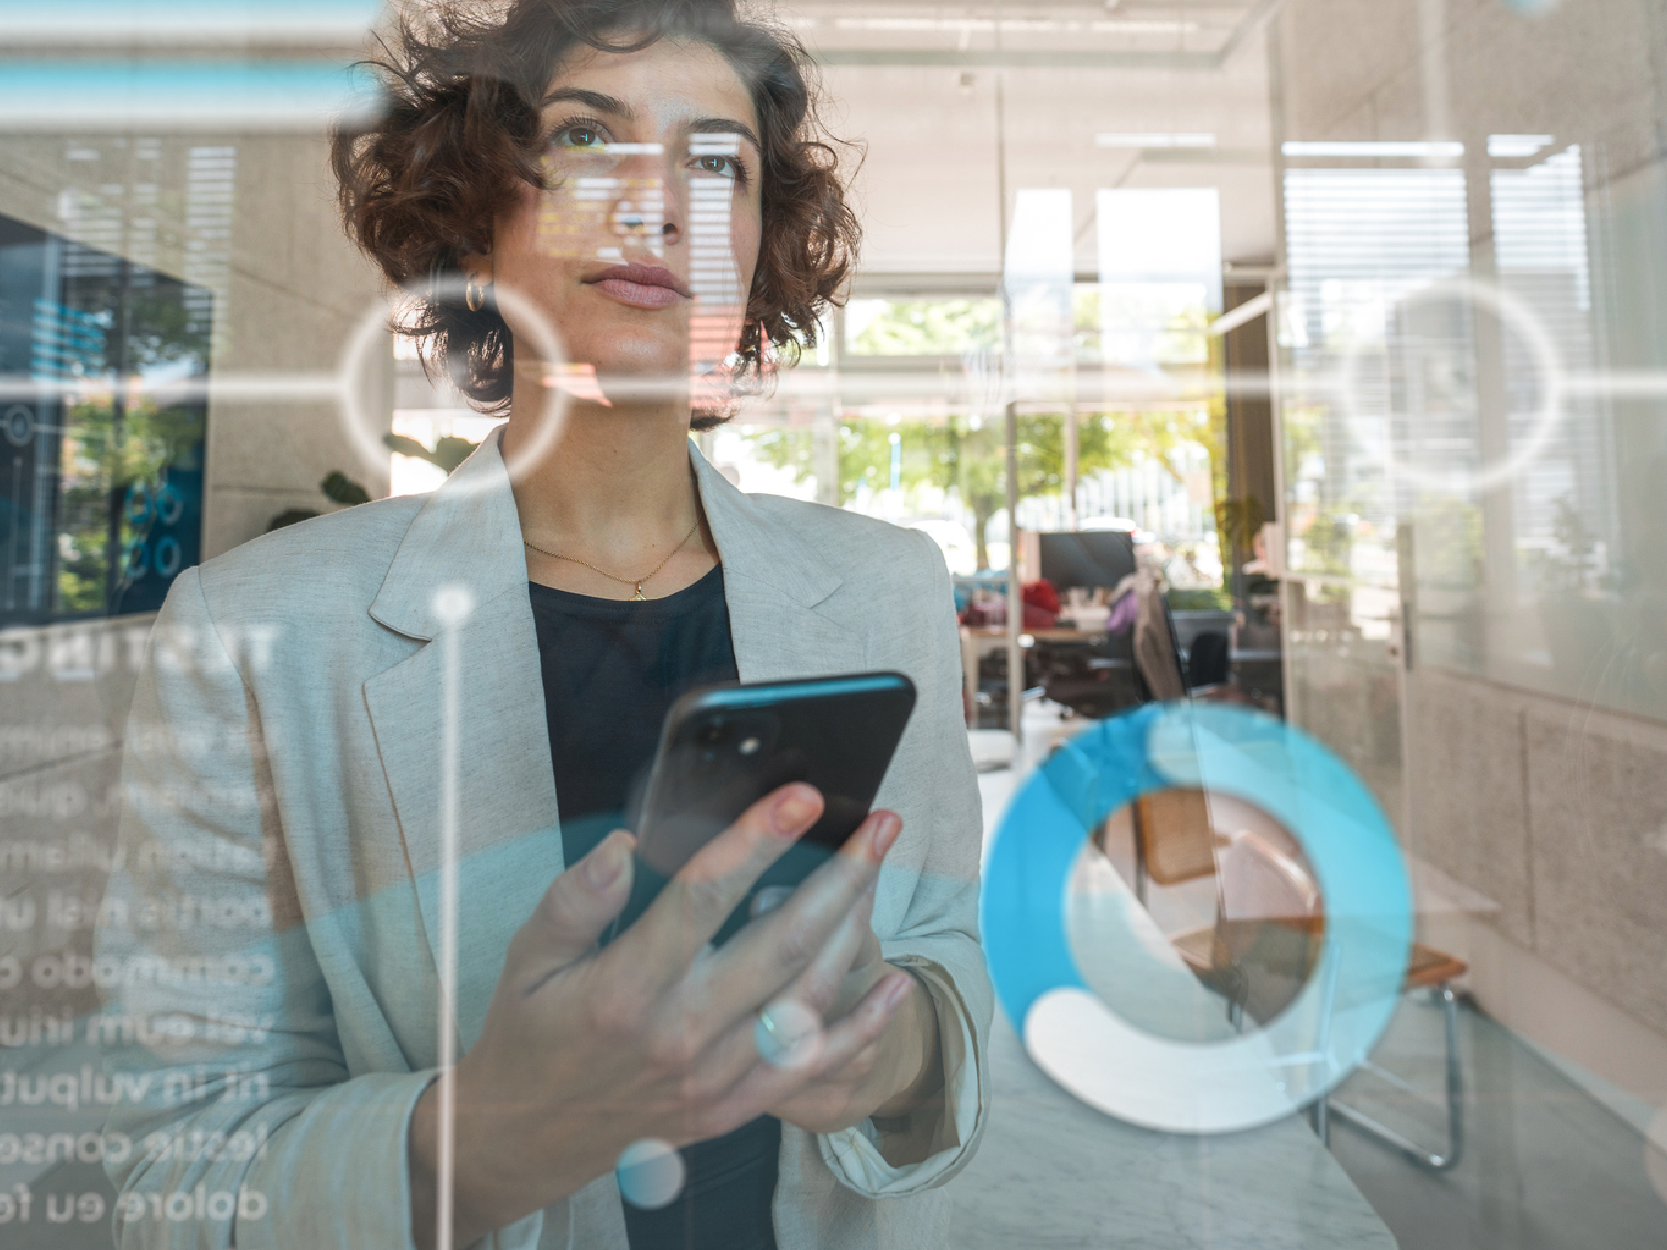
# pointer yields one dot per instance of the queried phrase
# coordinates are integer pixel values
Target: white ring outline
(1513, 315)
(449, 288)
(178, 556)
(136, 490)
(10, 424)
(168, 515)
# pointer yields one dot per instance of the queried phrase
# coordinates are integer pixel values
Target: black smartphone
(725, 747)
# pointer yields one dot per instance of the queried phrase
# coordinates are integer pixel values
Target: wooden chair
(1268, 933)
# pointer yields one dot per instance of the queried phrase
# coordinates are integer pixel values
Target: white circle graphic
(361, 431)
(1514, 316)
(650, 1173)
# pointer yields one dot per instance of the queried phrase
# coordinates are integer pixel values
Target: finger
(696, 902)
(807, 1001)
(572, 914)
(768, 1084)
(820, 984)
(863, 1026)
(772, 952)
(819, 991)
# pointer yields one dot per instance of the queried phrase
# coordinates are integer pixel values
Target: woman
(325, 705)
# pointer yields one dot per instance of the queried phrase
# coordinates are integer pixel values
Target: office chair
(1134, 666)
(1209, 660)
(1266, 940)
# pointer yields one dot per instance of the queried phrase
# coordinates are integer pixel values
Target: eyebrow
(591, 99)
(725, 126)
(615, 107)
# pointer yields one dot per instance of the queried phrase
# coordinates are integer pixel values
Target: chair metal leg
(1139, 855)
(1422, 1156)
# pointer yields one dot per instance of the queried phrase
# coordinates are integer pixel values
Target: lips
(640, 286)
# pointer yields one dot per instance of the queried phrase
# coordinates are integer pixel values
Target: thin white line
(296, 387)
(1247, 311)
(454, 606)
(1641, 383)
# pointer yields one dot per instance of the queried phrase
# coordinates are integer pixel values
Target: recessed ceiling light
(1518, 145)
(1155, 140)
(1405, 148)
(1019, 25)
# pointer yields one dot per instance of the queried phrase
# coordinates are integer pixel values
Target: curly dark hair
(420, 185)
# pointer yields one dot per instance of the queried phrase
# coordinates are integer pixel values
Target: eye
(579, 135)
(722, 166)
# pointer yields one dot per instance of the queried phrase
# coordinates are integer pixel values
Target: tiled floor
(1546, 1166)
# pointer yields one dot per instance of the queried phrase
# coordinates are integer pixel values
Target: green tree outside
(969, 458)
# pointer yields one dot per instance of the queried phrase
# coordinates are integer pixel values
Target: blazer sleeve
(240, 1123)
(937, 939)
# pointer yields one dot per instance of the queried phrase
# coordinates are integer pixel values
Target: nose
(644, 211)
(631, 220)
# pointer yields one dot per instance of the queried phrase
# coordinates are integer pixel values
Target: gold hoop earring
(473, 295)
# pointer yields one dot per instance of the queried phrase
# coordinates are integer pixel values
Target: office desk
(1258, 669)
(977, 641)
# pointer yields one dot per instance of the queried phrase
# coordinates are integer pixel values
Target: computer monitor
(1086, 558)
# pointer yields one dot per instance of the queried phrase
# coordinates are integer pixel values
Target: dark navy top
(611, 670)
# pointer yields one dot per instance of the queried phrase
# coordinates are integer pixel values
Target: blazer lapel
(466, 539)
(773, 583)
(465, 542)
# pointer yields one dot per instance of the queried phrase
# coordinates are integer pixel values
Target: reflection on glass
(101, 463)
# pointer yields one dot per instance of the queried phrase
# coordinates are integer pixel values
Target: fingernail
(885, 834)
(603, 865)
(793, 812)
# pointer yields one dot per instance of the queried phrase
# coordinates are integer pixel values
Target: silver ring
(782, 1041)
(770, 1028)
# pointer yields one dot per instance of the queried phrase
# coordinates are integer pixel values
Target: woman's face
(642, 252)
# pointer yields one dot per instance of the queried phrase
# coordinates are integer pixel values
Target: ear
(477, 268)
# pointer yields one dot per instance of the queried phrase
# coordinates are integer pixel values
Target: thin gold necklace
(635, 582)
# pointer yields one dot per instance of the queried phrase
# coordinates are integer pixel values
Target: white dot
(453, 603)
(650, 1173)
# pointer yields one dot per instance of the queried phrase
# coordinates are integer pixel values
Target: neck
(612, 480)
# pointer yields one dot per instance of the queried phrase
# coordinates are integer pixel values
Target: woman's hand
(894, 1075)
(584, 1051)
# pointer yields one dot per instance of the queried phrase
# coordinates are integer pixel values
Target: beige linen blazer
(286, 768)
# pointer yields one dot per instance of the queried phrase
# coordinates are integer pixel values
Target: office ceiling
(950, 103)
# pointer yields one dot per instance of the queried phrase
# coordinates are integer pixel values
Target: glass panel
(104, 362)
(424, 429)
(923, 327)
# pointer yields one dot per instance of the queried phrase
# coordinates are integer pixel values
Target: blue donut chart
(1340, 1012)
